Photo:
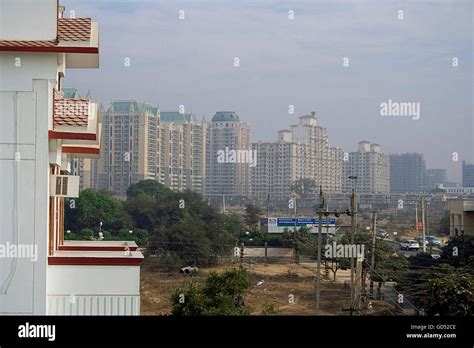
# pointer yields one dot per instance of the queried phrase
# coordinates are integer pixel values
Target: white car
(409, 244)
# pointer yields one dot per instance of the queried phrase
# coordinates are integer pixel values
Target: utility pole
(320, 238)
(295, 249)
(358, 283)
(242, 255)
(372, 264)
(352, 243)
(423, 222)
(427, 213)
(416, 217)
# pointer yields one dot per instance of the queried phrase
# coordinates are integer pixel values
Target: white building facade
(369, 168)
(41, 133)
(301, 153)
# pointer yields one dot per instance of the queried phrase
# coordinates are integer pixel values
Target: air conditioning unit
(64, 186)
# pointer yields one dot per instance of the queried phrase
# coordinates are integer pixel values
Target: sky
(293, 53)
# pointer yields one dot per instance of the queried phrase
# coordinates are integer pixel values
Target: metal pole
(427, 213)
(423, 222)
(372, 264)
(374, 227)
(352, 242)
(320, 232)
(295, 249)
(416, 217)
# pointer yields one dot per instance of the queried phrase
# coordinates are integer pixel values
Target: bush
(87, 233)
(222, 294)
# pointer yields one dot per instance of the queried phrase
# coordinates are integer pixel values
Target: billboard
(278, 225)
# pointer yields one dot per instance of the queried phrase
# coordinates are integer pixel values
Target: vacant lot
(288, 287)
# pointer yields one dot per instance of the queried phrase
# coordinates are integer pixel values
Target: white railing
(93, 305)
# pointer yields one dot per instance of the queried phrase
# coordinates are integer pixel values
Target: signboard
(302, 222)
(278, 225)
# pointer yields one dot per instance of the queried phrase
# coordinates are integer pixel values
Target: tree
(451, 294)
(440, 289)
(444, 223)
(191, 242)
(252, 213)
(301, 240)
(458, 251)
(182, 228)
(93, 207)
(332, 264)
(390, 268)
(222, 294)
(422, 260)
(151, 188)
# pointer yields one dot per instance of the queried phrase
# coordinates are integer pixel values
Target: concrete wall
(93, 290)
(17, 70)
(24, 196)
(28, 19)
(461, 216)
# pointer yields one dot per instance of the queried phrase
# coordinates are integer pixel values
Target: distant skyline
(297, 62)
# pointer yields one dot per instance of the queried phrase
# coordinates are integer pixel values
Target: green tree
(458, 251)
(451, 294)
(302, 240)
(191, 242)
(252, 215)
(151, 188)
(440, 289)
(222, 294)
(444, 223)
(422, 260)
(93, 207)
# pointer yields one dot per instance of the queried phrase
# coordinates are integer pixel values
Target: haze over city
(298, 62)
(238, 159)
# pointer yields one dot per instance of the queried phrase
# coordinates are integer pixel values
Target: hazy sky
(296, 62)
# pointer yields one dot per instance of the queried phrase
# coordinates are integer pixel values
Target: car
(429, 241)
(382, 233)
(436, 256)
(420, 240)
(432, 240)
(409, 244)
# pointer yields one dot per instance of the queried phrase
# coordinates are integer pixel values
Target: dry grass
(290, 288)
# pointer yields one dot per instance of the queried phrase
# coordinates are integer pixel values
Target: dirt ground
(290, 288)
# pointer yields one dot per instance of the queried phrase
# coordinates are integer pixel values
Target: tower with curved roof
(226, 133)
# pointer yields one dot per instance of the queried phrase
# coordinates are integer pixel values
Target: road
(395, 246)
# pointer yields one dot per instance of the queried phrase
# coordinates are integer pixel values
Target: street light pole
(320, 238)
